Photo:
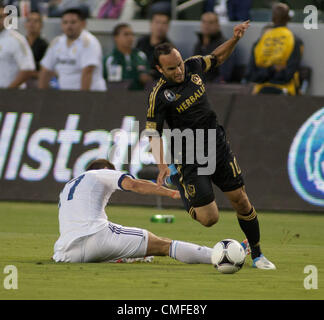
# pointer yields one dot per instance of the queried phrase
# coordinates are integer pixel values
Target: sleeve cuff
(90, 64)
(121, 178)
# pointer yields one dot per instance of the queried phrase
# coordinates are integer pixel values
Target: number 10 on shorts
(235, 167)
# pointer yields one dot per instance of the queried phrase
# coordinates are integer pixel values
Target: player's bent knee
(207, 215)
(209, 221)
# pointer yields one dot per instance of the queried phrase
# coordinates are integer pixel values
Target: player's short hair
(119, 27)
(80, 13)
(161, 49)
(36, 12)
(160, 13)
(280, 13)
(100, 164)
(211, 12)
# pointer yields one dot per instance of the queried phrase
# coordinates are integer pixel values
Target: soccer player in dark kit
(179, 98)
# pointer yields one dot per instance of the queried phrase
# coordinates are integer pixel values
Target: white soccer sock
(189, 253)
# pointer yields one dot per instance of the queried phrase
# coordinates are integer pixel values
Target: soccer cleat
(263, 263)
(173, 169)
(167, 182)
(246, 247)
(132, 260)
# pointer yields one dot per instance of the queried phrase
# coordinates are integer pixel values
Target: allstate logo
(306, 160)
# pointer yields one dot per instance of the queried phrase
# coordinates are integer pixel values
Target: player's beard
(72, 38)
(73, 35)
(179, 79)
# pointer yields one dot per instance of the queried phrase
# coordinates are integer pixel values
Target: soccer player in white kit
(16, 58)
(86, 234)
(75, 56)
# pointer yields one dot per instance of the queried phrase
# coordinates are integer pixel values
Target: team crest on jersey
(196, 79)
(169, 95)
(191, 190)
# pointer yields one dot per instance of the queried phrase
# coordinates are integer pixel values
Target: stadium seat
(258, 4)
(192, 13)
(260, 15)
(321, 17)
(305, 74)
(238, 73)
(301, 4)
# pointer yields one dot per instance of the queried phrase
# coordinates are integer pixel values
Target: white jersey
(15, 56)
(82, 204)
(68, 61)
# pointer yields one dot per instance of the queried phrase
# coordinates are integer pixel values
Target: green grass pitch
(292, 241)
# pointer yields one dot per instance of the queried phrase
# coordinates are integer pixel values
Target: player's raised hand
(164, 172)
(240, 29)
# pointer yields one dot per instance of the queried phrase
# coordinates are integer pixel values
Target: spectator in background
(16, 58)
(117, 9)
(111, 9)
(276, 56)
(125, 63)
(209, 38)
(239, 10)
(75, 56)
(159, 28)
(38, 45)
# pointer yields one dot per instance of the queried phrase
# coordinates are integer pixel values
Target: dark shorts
(198, 189)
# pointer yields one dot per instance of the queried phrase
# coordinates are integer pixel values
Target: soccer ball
(228, 256)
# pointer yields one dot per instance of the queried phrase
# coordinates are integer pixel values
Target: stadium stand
(260, 15)
(102, 29)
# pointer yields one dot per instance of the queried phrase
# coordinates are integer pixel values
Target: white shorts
(111, 243)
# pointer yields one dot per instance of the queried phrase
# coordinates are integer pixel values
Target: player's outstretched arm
(148, 187)
(223, 51)
(158, 153)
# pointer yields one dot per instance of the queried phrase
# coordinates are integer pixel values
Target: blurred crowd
(74, 60)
